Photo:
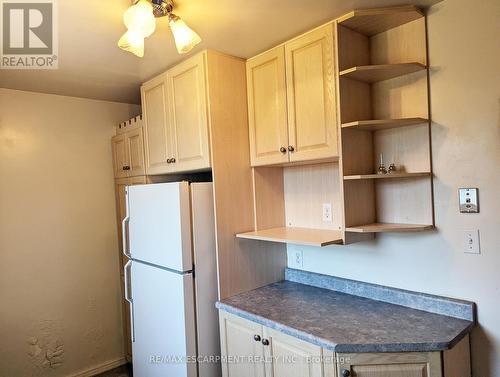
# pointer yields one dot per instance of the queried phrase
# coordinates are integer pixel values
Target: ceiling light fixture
(140, 22)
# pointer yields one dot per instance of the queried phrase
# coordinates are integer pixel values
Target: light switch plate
(468, 200)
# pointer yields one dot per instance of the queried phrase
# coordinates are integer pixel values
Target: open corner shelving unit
(384, 109)
(288, 204)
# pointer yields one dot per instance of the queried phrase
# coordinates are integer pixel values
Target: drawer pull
(345, 373)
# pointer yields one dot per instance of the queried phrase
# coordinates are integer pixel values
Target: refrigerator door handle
(126, 271)
(125, 228)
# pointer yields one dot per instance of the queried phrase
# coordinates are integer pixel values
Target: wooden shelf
(383, 124)
(374, 21)
(388, 228)
(382, 72)
(387, 176)
(299, 236)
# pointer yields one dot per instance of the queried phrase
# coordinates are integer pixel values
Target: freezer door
(159, 225)
(163, 322)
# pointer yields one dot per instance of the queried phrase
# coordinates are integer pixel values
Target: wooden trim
(374, 21)
(381, 72)
(456, 361)
(387, 176)
(384, 124)
(387, 228)
(242, 265)
(298, 236)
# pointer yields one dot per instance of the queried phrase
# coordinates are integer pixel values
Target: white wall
(465, 96)
(59, 278)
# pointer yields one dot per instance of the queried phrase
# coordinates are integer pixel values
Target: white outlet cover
(471, 241)
(327, 213)
(298, 258)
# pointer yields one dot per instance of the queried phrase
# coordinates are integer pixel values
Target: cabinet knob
(345, 373)
(173, 160)
(283, 150)
(265, 342)
(291, 148)
(126, 168)
(169, 161)
(256, 338)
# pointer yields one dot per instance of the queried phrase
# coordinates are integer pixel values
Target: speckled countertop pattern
(345, 323)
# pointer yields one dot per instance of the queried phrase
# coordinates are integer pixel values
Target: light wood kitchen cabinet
(410, 364)
(251, 350)
(157, 130)
(268, 126)
(275, 354)
(135, 147)
(291, 101)
(290, 356)
(119, 148)
(128, 154)
(310, 71)
(175, 106)
(188, 114)
(241, 348)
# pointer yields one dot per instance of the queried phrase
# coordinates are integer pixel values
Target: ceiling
(92, 66)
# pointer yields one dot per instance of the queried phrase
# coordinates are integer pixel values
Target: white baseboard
(104, 367)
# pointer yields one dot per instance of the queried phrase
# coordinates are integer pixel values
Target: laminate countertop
(344, 322)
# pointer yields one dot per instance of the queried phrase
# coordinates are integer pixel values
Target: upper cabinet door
(158, 138)
(310, 71)
(120, 163)
(187, 97)
(266, 85)
(135, 147)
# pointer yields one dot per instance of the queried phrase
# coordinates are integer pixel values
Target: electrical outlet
(327, 212)
(298, 258)
(471, 242)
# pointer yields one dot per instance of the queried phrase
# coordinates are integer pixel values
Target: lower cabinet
(408, 364)
(252, 350)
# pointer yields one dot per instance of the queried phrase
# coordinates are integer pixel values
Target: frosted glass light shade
(185, 37)
(140, 18)
(132, 42)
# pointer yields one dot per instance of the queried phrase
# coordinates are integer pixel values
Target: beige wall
(59, 278)
(465, 94)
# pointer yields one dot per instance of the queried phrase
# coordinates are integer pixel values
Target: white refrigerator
(171, 279)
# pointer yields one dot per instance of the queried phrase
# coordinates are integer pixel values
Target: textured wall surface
(465, 100)
(59, 279)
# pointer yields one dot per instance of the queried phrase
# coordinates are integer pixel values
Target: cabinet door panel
(157, 131)
(311, 95)
(267, 108)
(188, 114)
(410, 364)
(241, 355)
(119, 148)
(291, 357)
(402, 370)
(135, 147)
